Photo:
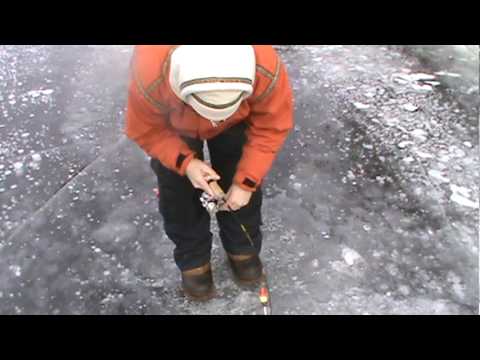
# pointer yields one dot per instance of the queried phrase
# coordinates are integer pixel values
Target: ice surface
(341, 236)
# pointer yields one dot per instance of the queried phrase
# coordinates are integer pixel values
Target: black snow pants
(187, 223)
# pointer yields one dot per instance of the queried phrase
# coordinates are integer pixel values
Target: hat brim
(211, 113)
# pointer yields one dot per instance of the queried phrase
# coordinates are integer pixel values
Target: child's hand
(200, 173)
(237, 198)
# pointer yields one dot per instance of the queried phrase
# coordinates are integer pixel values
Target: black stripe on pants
(187, 223)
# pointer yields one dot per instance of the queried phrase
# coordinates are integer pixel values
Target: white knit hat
(213, 79)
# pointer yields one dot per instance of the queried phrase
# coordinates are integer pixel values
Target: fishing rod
(213, 206)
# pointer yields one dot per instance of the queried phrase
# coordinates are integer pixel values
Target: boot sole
(197, 298)
(241, 282)
(246, 283)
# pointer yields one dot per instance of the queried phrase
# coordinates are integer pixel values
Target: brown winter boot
(197, 283)
(247, 269)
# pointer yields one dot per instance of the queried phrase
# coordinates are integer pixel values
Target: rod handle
(217, 189)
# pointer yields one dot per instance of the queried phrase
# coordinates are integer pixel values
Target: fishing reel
(211, 204)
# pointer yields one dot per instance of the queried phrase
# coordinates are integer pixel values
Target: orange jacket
(156, 116)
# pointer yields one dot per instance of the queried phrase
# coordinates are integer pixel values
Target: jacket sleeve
(148, 126)
(271, 120)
